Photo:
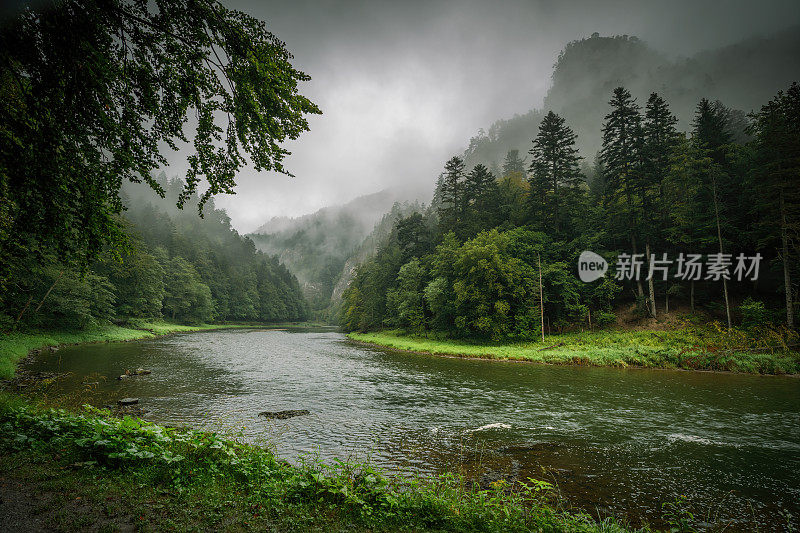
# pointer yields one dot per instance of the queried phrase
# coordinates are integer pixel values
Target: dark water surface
(613, 440)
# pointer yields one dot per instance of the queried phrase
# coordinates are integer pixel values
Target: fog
(404, 85)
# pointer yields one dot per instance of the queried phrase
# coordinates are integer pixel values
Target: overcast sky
(403, 85)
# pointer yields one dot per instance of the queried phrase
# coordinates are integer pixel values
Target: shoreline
(135, 474)
(565, 354)
(16, 346)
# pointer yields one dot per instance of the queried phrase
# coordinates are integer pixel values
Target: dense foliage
(180, 267)
(471, 264)
(91, 93)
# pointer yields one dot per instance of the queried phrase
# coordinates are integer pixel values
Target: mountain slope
(315, 247)
(743, 76)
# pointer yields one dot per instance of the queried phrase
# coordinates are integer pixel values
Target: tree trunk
(691, 295)
(719, 237)
(666, 303)
(632, 223)
(650, 283)
(727, 303)
(48, 292)
(787, 279)
(30, 299)
(555, 198)
(639, 288)
(541, 293)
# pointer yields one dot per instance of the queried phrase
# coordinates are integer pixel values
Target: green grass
(693, 348)
(87, 470)
(160, 327)
(16, 345)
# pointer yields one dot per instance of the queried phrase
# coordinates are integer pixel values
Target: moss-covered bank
(686, 348)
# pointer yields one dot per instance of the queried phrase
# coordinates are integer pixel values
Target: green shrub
(603, 318)
(754, 314)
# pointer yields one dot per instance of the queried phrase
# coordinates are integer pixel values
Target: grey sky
(403, 85)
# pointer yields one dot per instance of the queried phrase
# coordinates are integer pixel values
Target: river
(618, 441)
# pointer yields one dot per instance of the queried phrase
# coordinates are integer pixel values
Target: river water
(613, 440)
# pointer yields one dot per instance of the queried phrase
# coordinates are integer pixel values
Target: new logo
(591, 266)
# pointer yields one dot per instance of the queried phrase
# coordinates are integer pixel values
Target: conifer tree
(451, 193)
(710, 129)
(619, 154)
(554, 165)
(659, 139)
(513, 164)
(480, 199)
(711, 137)
(777, 171)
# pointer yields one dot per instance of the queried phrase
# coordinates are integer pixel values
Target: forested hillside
(376, 239)
(742, 76)
(322, 249)
(176, 265)
(496, 255)
(316, 247)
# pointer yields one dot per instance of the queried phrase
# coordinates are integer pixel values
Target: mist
(403, 86)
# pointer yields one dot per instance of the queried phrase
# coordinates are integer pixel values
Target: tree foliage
(179, 267)
(652, 190)
(92, 92)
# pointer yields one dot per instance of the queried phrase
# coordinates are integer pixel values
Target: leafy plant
(754, 314)
(676, 513)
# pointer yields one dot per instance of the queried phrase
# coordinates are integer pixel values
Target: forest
(74, 250)
(316, 247)
(175, 265)
(495, 255)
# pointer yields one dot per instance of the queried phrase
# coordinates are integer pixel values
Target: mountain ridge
(742, 75)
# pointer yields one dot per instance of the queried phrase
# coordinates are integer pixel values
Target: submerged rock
(282, 415)
(127, 401)
(137, 372)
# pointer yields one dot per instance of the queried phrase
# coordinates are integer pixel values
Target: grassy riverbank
(689, 348)
(16, 345)
(78, 471)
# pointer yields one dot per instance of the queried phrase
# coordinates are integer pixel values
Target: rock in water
(128, 401)
(137, 372)
(282, 415)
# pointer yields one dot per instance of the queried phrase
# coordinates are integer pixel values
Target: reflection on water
(613, 440)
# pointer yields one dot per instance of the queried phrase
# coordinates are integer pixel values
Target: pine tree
(622, 134)
(596, 178)
(554, 165)
(480, 200)
(711, 137)
(413, 236)
(776, 170)
(710, 130)
(452, 196)
(513, 164)
(659, 139)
